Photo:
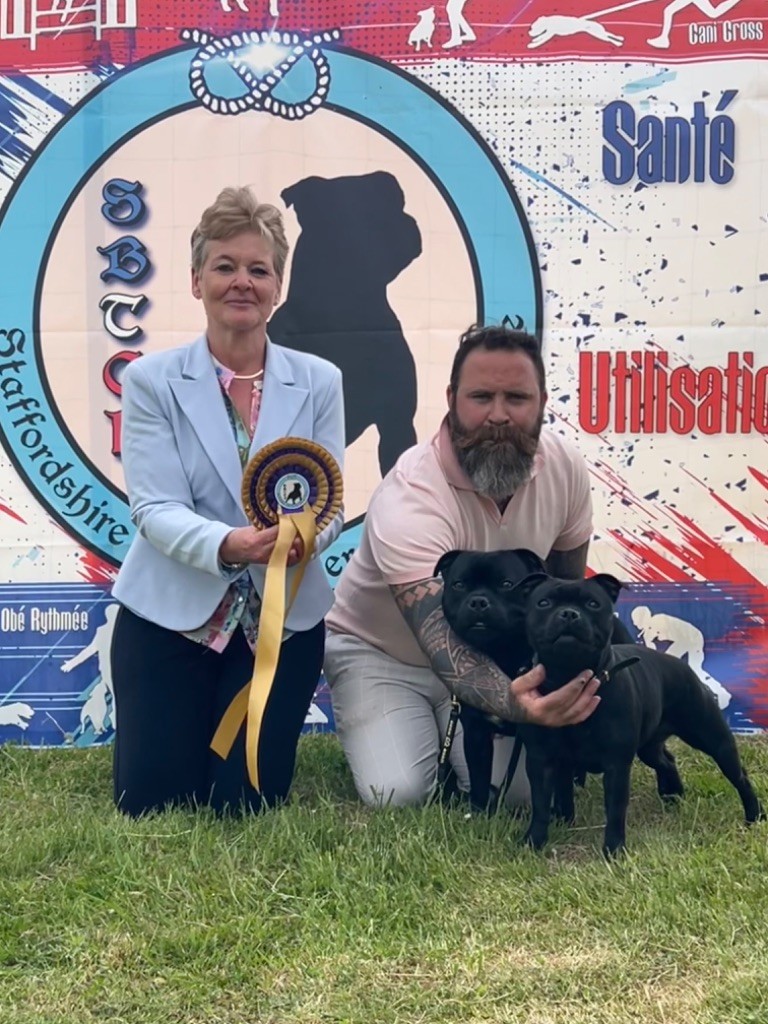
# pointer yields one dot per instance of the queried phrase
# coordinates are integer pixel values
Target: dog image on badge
(292, 492)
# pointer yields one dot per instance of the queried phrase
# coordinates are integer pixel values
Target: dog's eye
(543, 602)
(506, 585)
(592, 603)
(458, 585)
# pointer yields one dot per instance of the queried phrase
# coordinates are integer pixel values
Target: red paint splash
(14, 515)
(645, 561)
(757, 527)
(94, 569)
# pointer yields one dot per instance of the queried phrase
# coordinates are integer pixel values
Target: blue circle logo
(283, 75)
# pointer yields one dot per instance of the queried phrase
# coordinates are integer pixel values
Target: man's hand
(477, 680)
(569, 705)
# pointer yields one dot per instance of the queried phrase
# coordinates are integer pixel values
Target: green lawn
(326, 911)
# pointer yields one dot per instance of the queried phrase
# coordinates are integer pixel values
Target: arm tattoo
(467, 673)
(568, 565)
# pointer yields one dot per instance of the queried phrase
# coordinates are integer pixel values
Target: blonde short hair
(237, 210)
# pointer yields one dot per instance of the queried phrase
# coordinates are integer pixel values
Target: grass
(328, 912)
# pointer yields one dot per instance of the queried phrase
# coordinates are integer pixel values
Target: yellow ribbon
(251, 701)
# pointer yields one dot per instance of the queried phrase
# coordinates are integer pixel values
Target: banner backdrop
(597, 176)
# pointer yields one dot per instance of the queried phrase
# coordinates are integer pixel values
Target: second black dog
(645, 697)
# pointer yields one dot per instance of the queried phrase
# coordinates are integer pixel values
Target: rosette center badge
(289, 475)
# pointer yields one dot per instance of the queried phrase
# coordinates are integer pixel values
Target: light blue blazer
(184, 478)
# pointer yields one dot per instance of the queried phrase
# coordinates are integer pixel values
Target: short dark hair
(491, 339)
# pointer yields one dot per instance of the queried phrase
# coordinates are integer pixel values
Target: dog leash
(608, 673)
(443, 763)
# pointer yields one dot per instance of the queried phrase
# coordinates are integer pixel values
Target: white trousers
(391, 719)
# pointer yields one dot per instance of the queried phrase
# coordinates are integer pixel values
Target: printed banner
(596, 176)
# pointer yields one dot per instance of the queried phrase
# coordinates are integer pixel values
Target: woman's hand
(247, 544)
(569, 705)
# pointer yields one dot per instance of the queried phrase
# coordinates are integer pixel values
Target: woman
(189, 587)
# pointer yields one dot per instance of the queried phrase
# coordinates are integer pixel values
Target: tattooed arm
(568, 565)
(477, 680)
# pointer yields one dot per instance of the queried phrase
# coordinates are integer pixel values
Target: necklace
(247, 376)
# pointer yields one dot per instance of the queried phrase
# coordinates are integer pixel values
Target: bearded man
(492, 478)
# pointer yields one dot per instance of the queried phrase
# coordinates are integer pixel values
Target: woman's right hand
(247, 544)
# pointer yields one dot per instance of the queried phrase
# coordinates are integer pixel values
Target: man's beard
(497, 459)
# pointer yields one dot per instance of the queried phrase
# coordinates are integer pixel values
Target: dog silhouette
(549, 26)
(294, 496)
(423, 30)
(355, 239)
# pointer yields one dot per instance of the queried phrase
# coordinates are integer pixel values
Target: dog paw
(564, 816)
(614, 852)
(759, 815)
(534, 840)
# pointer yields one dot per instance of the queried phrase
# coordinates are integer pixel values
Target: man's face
(495, 418)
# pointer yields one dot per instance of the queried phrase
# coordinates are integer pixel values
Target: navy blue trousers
(170, 694)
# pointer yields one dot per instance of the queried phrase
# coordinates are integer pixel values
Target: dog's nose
(478, 603)
(569, 614)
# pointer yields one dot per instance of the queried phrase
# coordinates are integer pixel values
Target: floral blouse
(240, 605)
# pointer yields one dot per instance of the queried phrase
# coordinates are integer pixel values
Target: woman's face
(237, 283)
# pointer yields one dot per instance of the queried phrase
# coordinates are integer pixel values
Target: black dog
(646, 696)
(355, 239)
(484, 609)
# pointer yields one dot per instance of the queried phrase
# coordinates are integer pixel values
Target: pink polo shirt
(426, 506)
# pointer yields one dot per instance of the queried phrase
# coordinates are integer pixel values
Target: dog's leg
(705, 729)
(616, 798)
(563, 806)
(478, 751)
(541, 775)
(668, 782)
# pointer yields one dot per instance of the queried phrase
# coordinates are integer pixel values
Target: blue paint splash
(661, 78)
(561, 192)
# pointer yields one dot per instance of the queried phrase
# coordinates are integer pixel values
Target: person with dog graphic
(707, 7)
(494, 477)
(100, 703)
(685, 641)
(191, 584)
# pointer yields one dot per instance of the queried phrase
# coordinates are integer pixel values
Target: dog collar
(608, 673)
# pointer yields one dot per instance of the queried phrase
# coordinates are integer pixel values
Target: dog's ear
(530, 560)
(526, 586)
(609, 583)
(293, 194)
(445, 562)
